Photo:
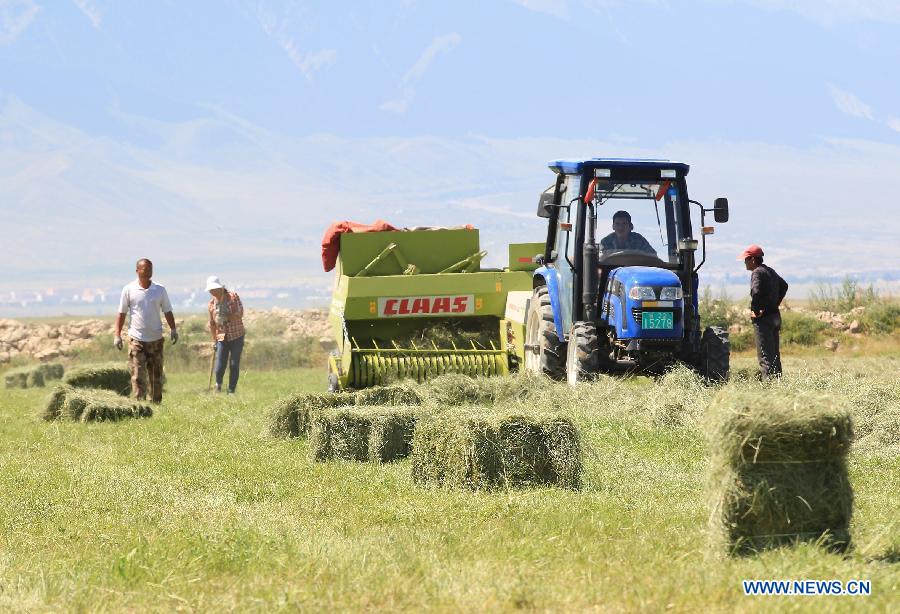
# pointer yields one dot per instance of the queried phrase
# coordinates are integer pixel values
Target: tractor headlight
(670, 294)
(642, 293)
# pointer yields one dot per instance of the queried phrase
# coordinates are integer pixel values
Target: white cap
(212, 282)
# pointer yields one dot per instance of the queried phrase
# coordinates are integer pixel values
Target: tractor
(618, 303)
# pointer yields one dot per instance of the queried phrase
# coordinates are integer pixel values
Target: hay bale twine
(111, 376)
(290, 416)
(779, 470)
(483, 450)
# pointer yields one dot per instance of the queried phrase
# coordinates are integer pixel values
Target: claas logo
(403, 306)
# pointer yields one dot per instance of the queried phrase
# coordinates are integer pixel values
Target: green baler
(414, 304)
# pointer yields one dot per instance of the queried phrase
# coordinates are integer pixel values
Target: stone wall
(44, 342)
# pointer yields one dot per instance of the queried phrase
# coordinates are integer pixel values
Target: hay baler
(415, 304)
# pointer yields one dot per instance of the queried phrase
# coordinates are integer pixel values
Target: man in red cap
(767, 290)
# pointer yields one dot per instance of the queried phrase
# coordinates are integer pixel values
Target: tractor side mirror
(546, 203)
(720, 210)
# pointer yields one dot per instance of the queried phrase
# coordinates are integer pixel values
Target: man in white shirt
(143, 300)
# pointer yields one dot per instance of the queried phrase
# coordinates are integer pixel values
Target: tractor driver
(622, 236)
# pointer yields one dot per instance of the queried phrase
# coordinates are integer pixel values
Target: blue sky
(222, 137)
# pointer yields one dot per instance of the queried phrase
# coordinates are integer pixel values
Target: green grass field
(196, 509)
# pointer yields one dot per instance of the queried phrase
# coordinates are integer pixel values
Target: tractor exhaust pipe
(590, 274)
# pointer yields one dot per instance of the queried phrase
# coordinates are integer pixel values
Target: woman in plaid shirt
(227, 326)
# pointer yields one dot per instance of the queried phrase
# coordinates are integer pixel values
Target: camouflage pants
(145, 359)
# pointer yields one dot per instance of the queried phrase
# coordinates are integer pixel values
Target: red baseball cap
(754, 251)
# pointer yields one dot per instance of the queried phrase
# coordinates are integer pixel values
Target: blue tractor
(623, 301)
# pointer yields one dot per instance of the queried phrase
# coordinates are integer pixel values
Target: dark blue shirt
(634, 241)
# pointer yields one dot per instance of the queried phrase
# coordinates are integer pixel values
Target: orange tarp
(331, 242)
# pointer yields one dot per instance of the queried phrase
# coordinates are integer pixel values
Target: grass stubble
(195, 510)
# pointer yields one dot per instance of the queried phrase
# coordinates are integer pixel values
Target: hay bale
(51, 370)
(16, 378)
(55, 402)
(35, 378)
(25, 377)
(391, 434)
(779, 470)
(111, 376)
(379, 435)
(290, 416)
(480, 449)
(340, 434)
(455, 389)
(92, 405)
(399, 394)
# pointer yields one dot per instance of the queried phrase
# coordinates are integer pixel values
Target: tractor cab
(619, 269)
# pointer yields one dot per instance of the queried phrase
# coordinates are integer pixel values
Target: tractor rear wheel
(715, 354)
(544, 352)
(583, 355)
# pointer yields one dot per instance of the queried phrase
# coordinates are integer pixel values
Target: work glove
(174, 336)
(117, 342)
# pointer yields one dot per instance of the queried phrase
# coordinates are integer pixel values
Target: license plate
(656, 320)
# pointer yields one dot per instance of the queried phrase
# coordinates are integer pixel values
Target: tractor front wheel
(544, 352)
(715, 354)
(583, 355)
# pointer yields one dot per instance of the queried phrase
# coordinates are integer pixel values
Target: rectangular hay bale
(339, 434)
(51, 370)
(114, 377)
(779, 470)
(16, 378)
(290, 416)
(92, 405)
(399, 394)
(25, 377)
(484, 450)
(35, 378)
(391, 434)
(380, 435)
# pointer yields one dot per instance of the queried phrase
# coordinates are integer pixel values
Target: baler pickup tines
(375, 366)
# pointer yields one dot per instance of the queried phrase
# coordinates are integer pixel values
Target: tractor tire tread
(585, 353)
(715, 354)
(552, 350)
